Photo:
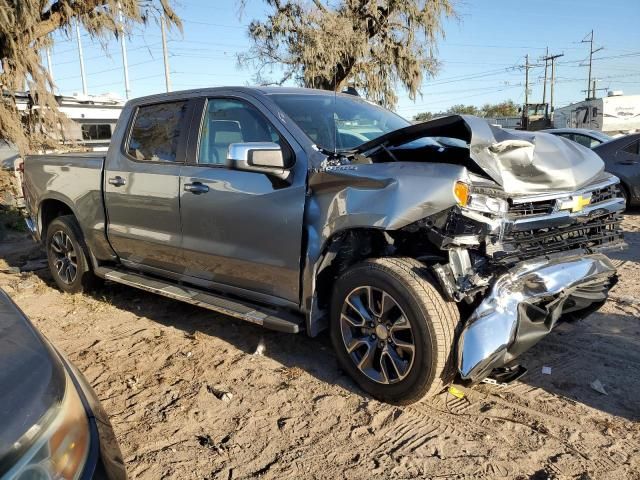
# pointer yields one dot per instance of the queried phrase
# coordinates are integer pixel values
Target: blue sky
(480, 53)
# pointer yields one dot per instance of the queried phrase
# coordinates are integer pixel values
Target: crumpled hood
(521, 162)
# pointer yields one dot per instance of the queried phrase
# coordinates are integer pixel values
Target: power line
(551, 58)
(108, 70)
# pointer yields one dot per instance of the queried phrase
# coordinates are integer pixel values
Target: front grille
(532, 208)
(605, 193)
(546, 207)
(524, 245)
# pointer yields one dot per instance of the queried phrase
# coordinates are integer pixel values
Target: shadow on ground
(603, 347)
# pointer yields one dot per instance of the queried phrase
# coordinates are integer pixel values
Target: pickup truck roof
(198, 92)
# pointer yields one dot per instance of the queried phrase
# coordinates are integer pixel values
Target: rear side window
(156, 131)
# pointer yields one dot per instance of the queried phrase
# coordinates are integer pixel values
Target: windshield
(340, 123)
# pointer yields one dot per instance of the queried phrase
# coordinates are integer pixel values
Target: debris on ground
(455, 392)
(220, 393)
(260, 349)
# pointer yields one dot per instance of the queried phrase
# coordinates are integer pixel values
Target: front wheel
(392, 330)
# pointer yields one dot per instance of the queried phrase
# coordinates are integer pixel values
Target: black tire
(58, 251)
(624, 191)
(433, 322)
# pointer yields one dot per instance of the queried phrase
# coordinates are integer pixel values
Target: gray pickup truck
(432, 252)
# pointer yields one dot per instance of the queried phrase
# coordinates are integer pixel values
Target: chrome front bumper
(525, 304)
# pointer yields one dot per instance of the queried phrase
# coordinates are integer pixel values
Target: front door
(141, 187)
(241, 229)
(627, 166)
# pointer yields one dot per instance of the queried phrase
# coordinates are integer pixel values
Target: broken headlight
(480, 202)
(486, 204)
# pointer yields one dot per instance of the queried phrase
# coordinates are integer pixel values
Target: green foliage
(502, 109)
(463, 110)
(372, 45)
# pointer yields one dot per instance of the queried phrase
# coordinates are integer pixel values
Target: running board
(279, 321)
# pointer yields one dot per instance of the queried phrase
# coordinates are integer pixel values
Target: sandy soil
(189, 397)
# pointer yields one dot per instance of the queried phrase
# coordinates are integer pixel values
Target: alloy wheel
(377, 335)
(65, 259)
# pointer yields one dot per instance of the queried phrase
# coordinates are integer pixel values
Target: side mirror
(260, 157)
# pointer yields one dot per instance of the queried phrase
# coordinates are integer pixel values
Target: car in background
(583, 136)
(51, 423)
(621, 157)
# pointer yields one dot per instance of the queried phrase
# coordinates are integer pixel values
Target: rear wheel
(392, 330)
(67, 257)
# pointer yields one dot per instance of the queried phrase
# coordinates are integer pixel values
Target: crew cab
(301, 210)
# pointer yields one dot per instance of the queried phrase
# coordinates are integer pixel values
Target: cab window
(228, 121)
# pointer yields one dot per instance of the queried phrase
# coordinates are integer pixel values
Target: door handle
(196, 188)
(629, 162)
(117, 181)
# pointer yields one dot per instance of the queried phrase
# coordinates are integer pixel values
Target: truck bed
(72, 179)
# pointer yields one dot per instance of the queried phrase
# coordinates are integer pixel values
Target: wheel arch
(340, 251)
(49, 209)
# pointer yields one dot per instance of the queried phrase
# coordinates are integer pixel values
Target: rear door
(142, 187)
(241, 230)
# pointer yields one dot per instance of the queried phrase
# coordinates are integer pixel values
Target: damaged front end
(512, 227)
(522, 267)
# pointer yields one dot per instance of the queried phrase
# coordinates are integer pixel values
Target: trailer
(614, 114)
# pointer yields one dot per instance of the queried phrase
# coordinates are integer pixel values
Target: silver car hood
(521, 162)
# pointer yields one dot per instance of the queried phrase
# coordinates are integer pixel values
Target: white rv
(613, 114)
(93, 117)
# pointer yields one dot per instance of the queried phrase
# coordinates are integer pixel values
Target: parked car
(425, 259)
(583, 136)
(51, 423)
(622, 158)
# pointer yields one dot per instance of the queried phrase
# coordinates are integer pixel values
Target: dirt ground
(189, 397)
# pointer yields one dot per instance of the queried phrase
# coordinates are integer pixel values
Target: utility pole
(592, 91)
(552, 59)
(591, 52)
(167, 80)
(82, 74)
(544, 85)
(123, 44)
(525, 112)
(526, 80)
